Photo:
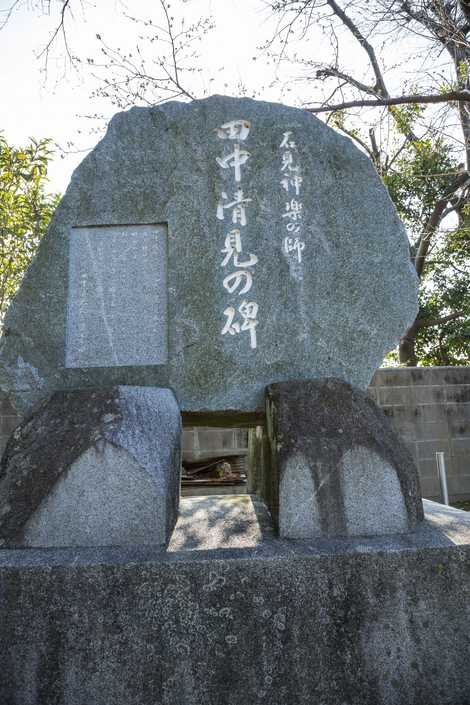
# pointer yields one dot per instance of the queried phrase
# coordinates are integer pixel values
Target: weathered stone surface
(335, 313)
(337, 466)
(93, 468)
(117, 297)
(383, 621)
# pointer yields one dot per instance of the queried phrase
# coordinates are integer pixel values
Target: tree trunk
(406, 348)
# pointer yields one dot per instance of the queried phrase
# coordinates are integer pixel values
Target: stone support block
(93, 468)
(337, 466)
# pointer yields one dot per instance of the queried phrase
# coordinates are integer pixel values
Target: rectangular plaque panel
(117, 298)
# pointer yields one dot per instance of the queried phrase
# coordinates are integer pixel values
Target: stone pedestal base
(382, 621)
(93, 468)
(337, 468)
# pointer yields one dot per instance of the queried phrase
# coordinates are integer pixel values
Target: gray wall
(201, 442)
(428, 406)
(430, 409)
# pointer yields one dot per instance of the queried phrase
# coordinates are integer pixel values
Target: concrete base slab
(376, 621)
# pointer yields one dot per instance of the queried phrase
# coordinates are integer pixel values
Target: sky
(53, 103)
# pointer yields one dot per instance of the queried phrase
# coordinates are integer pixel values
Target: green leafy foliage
(446, 291)
(25, 210)
(420, 176)
(405, 116)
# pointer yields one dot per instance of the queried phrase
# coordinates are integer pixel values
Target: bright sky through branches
(54, 105)
(35, 105)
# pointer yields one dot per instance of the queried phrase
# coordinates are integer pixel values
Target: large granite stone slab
(337, 468)
(93, 468)
(382, 621)
(285, 259)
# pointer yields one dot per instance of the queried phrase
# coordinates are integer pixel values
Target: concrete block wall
(429, 408)
(199, 443)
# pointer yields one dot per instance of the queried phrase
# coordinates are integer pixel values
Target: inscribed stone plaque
(117, 296)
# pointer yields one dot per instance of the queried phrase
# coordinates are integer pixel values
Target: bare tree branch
(380, 87)
(175, 79)
(9, 12)
(331, 72)
(428, 322)
(157, 68)
(60, 28)
(390, 162)
(434, 221)
(354, 136)
(451, 96)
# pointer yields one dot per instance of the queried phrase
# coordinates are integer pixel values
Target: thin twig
(9, 13)
(353, 28)
(60, 28)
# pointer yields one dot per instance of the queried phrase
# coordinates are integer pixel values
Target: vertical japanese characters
(241, 315)
(291, 182)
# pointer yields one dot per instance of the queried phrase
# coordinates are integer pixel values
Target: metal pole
(441, 471)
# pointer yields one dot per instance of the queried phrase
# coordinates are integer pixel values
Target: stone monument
(215, 248)
(212, 257)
